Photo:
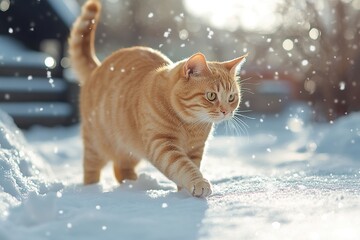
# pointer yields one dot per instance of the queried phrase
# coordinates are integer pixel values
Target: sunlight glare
(250, 15)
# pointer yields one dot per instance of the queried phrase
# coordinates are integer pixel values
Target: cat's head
(207, 91)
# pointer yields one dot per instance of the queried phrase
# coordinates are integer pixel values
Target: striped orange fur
(138, 104)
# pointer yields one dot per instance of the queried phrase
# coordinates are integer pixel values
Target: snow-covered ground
(288, 178)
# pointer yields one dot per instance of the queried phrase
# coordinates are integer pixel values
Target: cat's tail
(82, 38)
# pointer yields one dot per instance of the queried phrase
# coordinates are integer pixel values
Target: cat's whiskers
(241, 125)
(241, 81)
(239, 112)
(237, 126)
(230, 128)
(227, 127)
(202, 122)
(246, 90)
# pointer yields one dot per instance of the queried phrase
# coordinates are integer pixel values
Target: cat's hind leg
(124, 167)
(92, 165)
(93, 160)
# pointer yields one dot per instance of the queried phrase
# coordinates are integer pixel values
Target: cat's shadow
(154, 211)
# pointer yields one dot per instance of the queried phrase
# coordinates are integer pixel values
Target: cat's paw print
(201, 188)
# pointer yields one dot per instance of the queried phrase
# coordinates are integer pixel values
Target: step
(17, 89)
(26, 114)
(16, 59)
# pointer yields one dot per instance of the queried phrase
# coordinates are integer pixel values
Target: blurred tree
(326, 37)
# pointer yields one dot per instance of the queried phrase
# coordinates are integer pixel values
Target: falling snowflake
(167, 33)
(342, 85)
(210, 33)
(304, 62)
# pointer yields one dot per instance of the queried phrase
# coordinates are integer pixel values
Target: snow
(290, 178)
(21, 171)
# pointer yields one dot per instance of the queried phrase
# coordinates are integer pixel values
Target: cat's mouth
(218, 118)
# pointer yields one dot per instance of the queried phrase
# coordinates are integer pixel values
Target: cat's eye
(231, 97)
(211, 96)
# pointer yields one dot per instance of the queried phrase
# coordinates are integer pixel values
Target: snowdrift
(21, 171)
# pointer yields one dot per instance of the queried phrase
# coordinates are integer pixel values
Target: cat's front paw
(201, 188)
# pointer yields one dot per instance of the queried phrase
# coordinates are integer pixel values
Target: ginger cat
(138, 104)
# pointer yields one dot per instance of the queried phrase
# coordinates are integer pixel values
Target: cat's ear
(196, 65)
(234, 65)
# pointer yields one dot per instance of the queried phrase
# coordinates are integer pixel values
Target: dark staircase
(36, 84)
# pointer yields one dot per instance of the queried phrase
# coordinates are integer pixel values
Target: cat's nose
(223, 111)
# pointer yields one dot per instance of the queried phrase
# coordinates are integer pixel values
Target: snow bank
(21, 170)
(335, 147)
(341, 138)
